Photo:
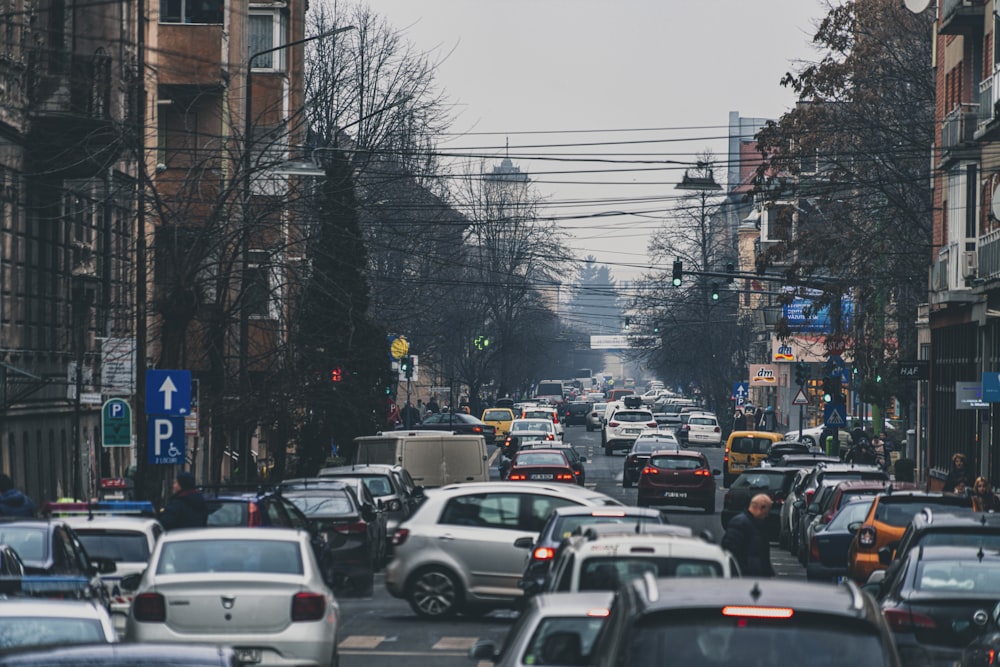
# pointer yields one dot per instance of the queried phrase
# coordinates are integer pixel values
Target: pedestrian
(881, 455)
(739, 420)
(410, 415)
(12, 501)
(187, 507)
(983, 498)
(432, 405)
(959, 473)
(746, 538)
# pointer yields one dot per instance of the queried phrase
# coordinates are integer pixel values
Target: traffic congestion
(660, 541)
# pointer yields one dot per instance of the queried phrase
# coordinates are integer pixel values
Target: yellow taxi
(886, 522)
(746, 449)
(499, 418)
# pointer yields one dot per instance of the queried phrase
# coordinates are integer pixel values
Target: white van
(432, 458)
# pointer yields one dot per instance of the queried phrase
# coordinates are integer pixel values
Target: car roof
(866, 484)
(234, 533)
(139, 524)
(615, 511)
(929, 519)
(368, 468)
(58, 608)
(571, 604)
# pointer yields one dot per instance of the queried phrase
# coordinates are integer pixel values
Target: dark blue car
(829, 546)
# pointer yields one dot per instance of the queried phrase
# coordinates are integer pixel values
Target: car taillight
(555, 419)
(809, 496)
(866, 536)
(725, 459)
(565, 477)
(253, 516)
(517, 477)
(149, 608)
(651, 424)
(308, 606)
(718, 430)
(613, 424)
(550, 436)
(400, 536)
(902, 620)
(813, 550)
(650, 470)
(702, 472)
(543, 553)
(349, 528)
(477, 429)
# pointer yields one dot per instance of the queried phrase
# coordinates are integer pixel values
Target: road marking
(455, 643)
(493, 457)
(362, 641)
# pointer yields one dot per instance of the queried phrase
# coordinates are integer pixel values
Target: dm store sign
(784, 352)
(763, 375)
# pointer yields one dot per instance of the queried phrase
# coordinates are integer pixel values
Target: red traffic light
(336, 374)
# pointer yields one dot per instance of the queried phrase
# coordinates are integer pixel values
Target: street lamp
(244, 333)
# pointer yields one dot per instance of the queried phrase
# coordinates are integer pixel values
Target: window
(191, 11)
(493, 510)
(257, 286)
(541, 508)
(267, 31)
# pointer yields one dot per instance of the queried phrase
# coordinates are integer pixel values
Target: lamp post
(244, 330)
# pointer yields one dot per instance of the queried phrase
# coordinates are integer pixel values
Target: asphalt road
(382, 631)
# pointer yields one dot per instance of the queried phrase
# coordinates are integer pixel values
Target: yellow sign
(399, 347)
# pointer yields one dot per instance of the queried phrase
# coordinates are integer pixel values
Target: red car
(677, 477)
(541, 465)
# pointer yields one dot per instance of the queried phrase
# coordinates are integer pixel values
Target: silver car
(457, 552)
(555, 629)
(259, 591)
(47, 622)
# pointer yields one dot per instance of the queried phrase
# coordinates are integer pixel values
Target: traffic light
(715, 291)
(481, 342)
(406, 366)
(336, 374)
(801, 373)
(628, 323)
(678, 272)
(730, 268)
(827, 389)
(388, 391)
(656, 328)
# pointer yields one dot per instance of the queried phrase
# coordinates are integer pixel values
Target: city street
(382, 630)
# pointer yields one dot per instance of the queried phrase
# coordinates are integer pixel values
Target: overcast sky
(646, 83)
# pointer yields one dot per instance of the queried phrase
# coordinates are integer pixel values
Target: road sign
(800, 398)
(168, 392)
(116, 423)
(835, 414)
(399, 347)
(166, 440)
(740, 392)
(991, 387)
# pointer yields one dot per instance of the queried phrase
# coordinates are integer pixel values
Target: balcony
(962, 17)
(989, 256)
(959, 128)
(951, 275)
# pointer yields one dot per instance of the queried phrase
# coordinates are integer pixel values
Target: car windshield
(323, 505)
(448, 418)
(537, 414)
(959, 577)
(708, 639)
(251, 556)
(622, 416)
(901, 513)
(676, 462)
(531, 427)
(607, 574)
(540, 459)
(562, 641)
(121, 546)
(650, 446)
(31, 543)
(752, 445)
(701, 421)
(568, 525)
(496, 416)
(49, 631)
(759, 480)
(227, 512)
(850, 514)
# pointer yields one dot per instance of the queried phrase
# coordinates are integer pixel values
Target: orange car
(885, 523)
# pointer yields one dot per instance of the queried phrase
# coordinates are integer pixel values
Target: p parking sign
(116, 423)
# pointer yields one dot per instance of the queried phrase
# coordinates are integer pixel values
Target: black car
(775, 482)
(362, 496)
(575, 460)
(264, 508)
(941, 601)
(780, 449)
(459, 422)
(353, 544)
(829, 546)
(757, 622)
(575, 413)
(391, 485)
(563, 522)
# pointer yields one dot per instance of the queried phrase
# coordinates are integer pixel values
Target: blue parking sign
(166, 440)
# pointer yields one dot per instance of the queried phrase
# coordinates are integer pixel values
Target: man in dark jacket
(12, 501)
(187, 507)
(746, 538)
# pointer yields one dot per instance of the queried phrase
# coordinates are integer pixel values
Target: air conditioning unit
(970, 263)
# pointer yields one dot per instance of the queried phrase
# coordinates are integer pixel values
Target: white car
(257, 590)
(48, 622)
(460, 551)
(595, 418)
(701, 428)
(624, 427)
(544, 412)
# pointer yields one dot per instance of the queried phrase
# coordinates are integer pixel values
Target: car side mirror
(524, 543)
(583, 459)
(130, 582)
(418, 492)
(854, 526)
(483, 650)
(813, 508)
(368, 513)
(716, 471)
(799, 504)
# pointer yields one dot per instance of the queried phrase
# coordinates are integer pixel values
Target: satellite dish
(995, 203)
(917, 6)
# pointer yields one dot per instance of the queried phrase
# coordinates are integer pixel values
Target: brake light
(400, 536)
(866, 536)
(565, 477)
(650, 470)
(902, 620)
(477, 429)
(725, 459)
(758, 612)
(809, 496)
(149, 608)
(308, 607)
(598, 613)
(517, 477)
(613, 424)
(813, 550)
(576, 472)
(543, 553)
(718, 430)
(358, 527)
(702, 472)
(555, 419)
(253, 516)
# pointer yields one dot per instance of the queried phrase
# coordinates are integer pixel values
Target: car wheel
(435, 593)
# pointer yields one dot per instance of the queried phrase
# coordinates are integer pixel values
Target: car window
(49, 631)
(701, 421)
(676, 462)
(539, 459)
(296, 518)
(850, 514)
(485, 510)
(901, 513)
(121, 546)
(761, 481)
(752, 445)
(539, 508)
(569, 524)
(379, 485)
(199, 556)
(326, 505)
(607, 574)
(967, 577)
(565, 582)
(227, 513)
(633, 417)
(541, 649)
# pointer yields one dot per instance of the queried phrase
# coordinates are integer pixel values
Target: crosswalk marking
(362, 641)
(455, 643)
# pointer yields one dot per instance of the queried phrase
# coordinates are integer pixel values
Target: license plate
(632, 431)
(675, 494)
(541, 477)
(737, 466)
(248, 655)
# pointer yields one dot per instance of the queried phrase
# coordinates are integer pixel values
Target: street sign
(835, 414)
(116, 423)
(918, 370)
(166, 440)
(991, 387)
(800, 398)
(969, 396)
(740, 392)
(398, 347)
(168, 392)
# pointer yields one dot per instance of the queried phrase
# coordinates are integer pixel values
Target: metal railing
(988, 247)
(959, 126)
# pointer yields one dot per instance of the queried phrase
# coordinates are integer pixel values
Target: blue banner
(804, 316)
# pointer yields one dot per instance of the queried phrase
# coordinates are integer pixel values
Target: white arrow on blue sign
(168, 392)
(740, 392)
(166, 440)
